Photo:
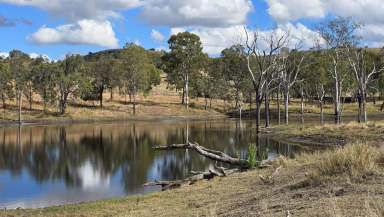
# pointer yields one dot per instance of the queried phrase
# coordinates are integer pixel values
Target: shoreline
(297, 188)
(69, 121)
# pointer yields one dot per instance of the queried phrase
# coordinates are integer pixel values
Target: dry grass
(331, 134)
(356, 160)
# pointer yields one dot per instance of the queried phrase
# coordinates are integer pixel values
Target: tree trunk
(382, 107)
(286, 104)
(206, 103)
(364, 111)
(359, 100)
(63, 103)
(183, 97)
(337, 102)
(250, 102)
(258, 105)
(111, 97)
(278, 106)
(134, 103)
(187, 91)
(101, 98)
(20, 105)
(30, 98)
(321, 112)
(302, 103)
(3, 100)
(266, 103)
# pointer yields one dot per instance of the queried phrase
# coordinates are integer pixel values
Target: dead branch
(208, 153)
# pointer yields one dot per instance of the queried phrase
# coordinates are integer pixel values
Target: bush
(252, 153)
(355, 160)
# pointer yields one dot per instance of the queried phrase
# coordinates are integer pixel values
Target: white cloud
(373, 35)
(78, 9)
(83, 32)
(215, 40)
(367, 12)
(4, 55)
(286, 10)
(157, 36)
(209, 13)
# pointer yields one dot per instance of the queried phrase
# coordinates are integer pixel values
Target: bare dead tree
(291, 67)
(338, 34)
(262, 63)
(363, 72)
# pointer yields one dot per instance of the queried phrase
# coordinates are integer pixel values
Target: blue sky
(58, 27)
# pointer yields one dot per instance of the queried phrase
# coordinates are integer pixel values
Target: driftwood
(211, 154)
(217, 171)
(197, 176)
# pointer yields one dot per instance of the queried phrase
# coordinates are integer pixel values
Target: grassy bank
(344, 181)
(331, 134)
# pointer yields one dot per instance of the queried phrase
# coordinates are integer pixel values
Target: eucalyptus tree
(338, 34)
(138, 72)
(44, 80)
(217, 84)
(182, 61)
(380, 86)
(103, 74)
(317, 80)
(364, 68)
(234, 68)
(69, 77)
(292, 62)
(262, 62)
(6, 87)
(19, 63)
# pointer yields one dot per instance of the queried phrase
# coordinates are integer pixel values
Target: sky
(58, 27)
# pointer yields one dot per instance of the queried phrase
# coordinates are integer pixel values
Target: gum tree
(139, 74)
(182, 60)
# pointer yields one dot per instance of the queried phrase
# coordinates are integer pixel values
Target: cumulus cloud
(157, 36)
(91, 32)
(215, 40)
(31, 55)
(368, 12)
(4, 55)
(78, 9)
(286, 10)
(209, 13)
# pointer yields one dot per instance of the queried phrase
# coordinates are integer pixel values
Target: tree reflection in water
(104, 156)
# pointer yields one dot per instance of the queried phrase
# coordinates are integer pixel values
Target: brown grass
(356, 160)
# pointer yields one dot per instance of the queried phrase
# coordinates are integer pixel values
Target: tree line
(275, 64)
(132, 69)
(264, 67)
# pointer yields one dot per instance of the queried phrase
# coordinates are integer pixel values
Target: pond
(43, 166)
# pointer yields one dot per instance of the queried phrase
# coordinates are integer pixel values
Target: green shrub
(252, 153)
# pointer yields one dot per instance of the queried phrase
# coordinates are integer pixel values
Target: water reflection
(50, 165)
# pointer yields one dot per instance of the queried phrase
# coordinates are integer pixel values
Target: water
(43, 166)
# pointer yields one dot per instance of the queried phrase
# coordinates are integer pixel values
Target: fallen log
(208, 153)
(197, 176)
(217, 171)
